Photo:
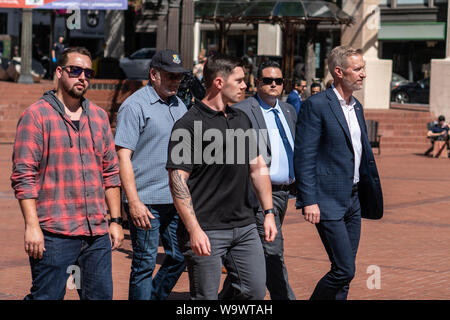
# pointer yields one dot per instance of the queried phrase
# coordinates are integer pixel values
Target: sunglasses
(173, 76)
(75, 72)
(278, 81)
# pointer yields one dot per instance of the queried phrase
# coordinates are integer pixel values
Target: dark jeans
(240, 250)
(341, 240)
(145, 250)
(91, 254)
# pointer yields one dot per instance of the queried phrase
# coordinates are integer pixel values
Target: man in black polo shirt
(212, 157)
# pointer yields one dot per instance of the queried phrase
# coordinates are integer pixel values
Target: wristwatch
(270, 211)
(116, 220)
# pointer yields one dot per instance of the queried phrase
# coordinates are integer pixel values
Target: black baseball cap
(168, 60)
(441, 118)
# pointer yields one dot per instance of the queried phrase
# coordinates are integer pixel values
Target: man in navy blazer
(295, 96)
(264, 110)
(335, 170)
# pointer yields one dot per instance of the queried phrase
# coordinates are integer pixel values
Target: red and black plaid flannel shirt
(67, 182)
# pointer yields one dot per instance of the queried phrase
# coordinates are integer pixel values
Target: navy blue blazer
(324, 160)
(294, 100)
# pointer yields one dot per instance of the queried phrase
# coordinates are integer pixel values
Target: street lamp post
(25, 68)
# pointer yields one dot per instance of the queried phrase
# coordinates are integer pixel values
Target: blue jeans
(91, 254)
(145, 250)
(341, 240)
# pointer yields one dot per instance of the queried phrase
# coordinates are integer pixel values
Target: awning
(412, 31)
(253, 11)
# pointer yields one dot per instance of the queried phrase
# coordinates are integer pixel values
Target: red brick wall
(14, 98)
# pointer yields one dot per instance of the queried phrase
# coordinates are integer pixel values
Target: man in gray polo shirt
(144, 125)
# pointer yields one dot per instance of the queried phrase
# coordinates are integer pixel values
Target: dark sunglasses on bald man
(278, 81)
(75, 72)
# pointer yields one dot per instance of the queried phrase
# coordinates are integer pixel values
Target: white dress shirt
(355, 130)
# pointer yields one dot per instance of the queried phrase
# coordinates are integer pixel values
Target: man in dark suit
(275, 121)
(335, 170)
(295, 96)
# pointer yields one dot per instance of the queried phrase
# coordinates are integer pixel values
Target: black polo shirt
(219, 167)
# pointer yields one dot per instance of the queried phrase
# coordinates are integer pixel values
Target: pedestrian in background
(315, 88)
(57, 50)
(295, 96)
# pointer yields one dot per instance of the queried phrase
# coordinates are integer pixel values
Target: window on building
(3, 23)
(385, 2)
(412, 2)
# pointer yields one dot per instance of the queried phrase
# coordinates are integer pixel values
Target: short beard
(352, 86)
(76, 94)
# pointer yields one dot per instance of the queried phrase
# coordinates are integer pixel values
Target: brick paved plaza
(410, 245)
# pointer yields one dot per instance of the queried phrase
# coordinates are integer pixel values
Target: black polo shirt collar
(213, 113)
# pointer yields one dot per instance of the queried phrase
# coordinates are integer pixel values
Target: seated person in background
(315, 88)
(438, 132)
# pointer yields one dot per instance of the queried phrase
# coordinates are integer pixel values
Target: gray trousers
(276, 273)
(277, 276)
(240, 251)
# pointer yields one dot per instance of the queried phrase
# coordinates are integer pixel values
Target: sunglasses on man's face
(75, 71)
(278, 81)
(174, 76)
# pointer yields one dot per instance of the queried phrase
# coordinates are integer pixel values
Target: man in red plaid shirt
(64, 168)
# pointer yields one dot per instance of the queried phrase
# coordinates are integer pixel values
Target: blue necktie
(287, 145)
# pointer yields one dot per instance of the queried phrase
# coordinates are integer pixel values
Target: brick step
(400, 117)
(404, 122)
(397, 133)
(418, 129)
(393, 112)
(9, 135)
(404, 139)
(8, 125)
(404, 145)
(408, 132)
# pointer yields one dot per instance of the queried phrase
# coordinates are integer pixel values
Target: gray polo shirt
(144, 125)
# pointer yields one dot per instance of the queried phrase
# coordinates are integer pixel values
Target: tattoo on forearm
(180, 190)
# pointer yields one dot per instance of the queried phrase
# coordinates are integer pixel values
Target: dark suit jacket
(324, 160)
(253, 110)
(294, 100)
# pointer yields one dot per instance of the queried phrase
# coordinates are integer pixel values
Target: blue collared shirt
(144, 125)
(279, 165)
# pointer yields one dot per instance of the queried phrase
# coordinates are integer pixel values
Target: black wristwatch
(116, 220)
(270, 211)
